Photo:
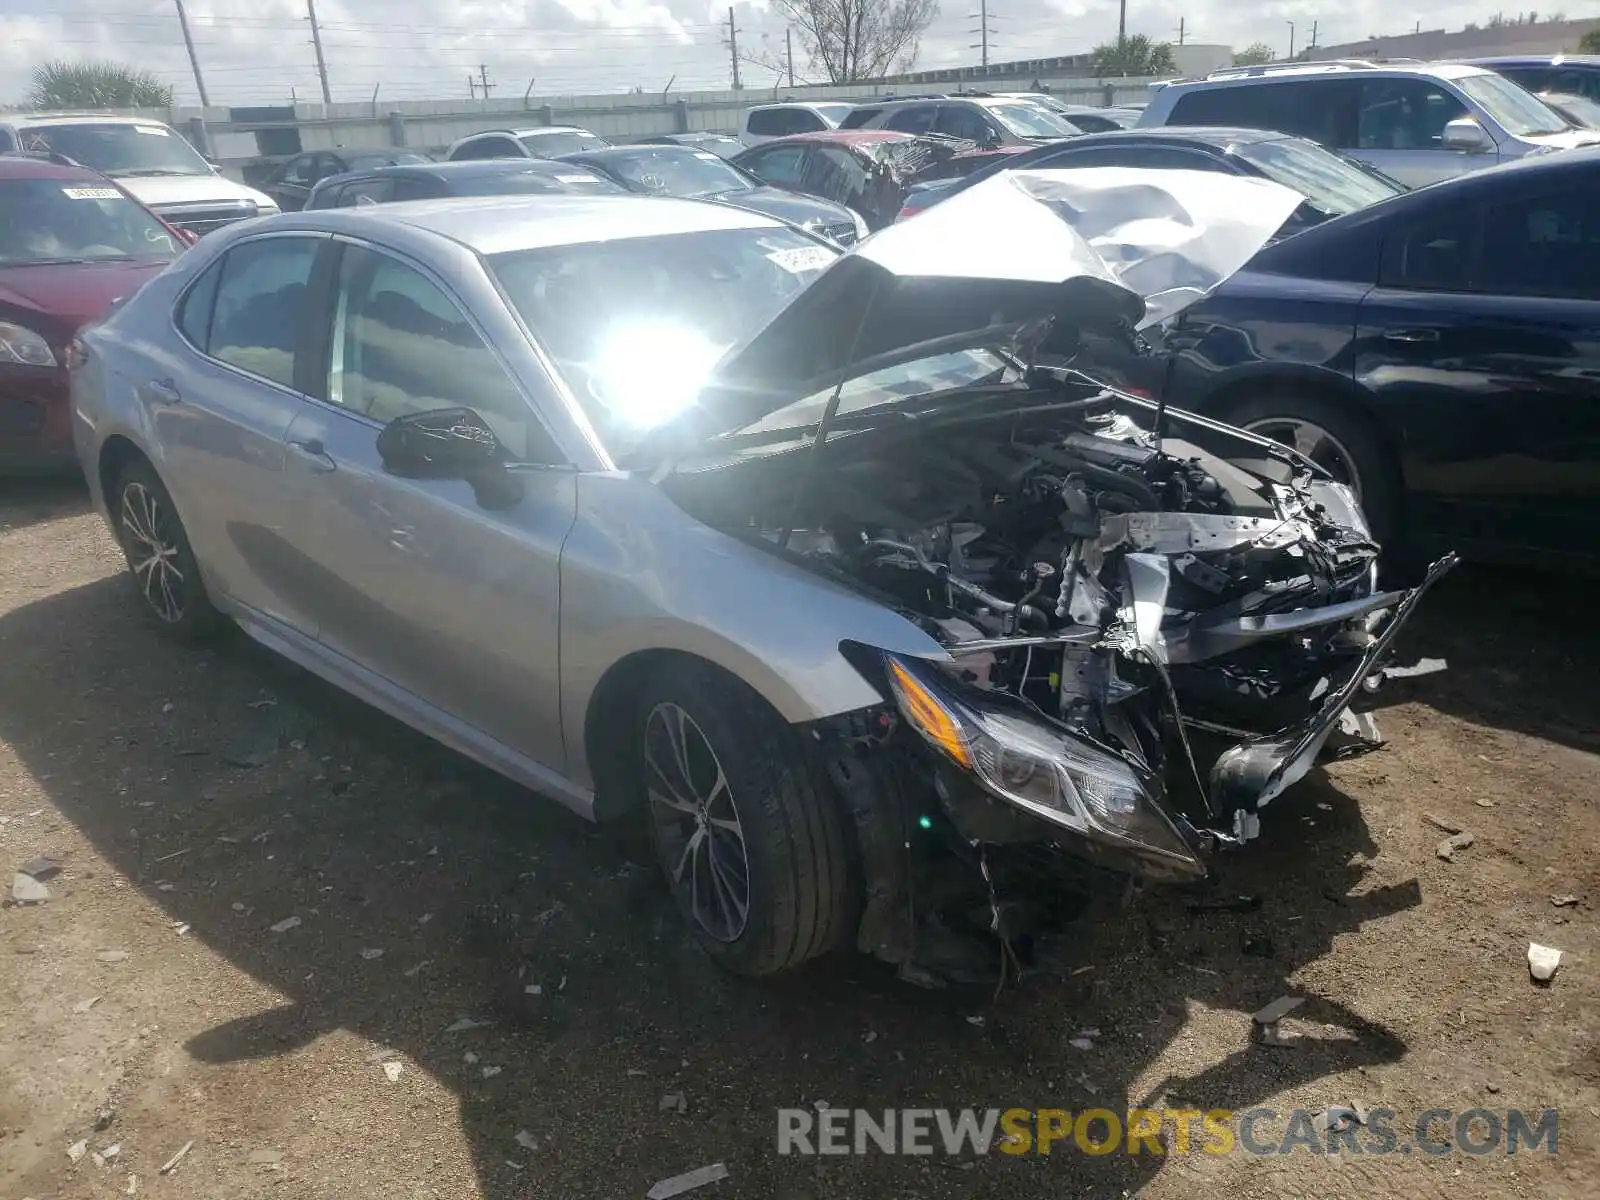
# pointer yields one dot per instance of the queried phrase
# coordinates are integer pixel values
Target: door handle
(316, 455)
(163, 391)
(1411, 335)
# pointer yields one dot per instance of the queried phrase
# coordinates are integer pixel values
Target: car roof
(1537, 60)
(800, 104)
(847, 137)
(24, 119)
(1220, 136)
(23, 166)
(501, 224)
(521, 133)
(465, 169)
(1238, 76)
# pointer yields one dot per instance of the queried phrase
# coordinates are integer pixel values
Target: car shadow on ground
(1522, 648)
(265, 794)
(30, 501)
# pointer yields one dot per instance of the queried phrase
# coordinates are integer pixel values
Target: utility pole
(788, 50)
(472, 86)
(1122, 24)
(316, 40)
(1313, 44)
(1290, 24)
(982, 17)
(733, 49)
(483, 80)
(199, 82)
(1180, 30)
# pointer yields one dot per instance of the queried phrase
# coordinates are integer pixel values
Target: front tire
(161, 563)
(751, 840)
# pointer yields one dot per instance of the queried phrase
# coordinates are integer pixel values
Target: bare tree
(859, 39)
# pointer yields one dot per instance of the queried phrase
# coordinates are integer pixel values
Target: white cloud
(259, 51)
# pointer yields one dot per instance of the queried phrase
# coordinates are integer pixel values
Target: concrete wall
(1547, 37)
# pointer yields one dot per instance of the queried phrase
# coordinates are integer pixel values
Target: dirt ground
(151, 992)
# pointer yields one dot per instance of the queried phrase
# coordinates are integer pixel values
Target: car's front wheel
(160, 560)
(750, 838)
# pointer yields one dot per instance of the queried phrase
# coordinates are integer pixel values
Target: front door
(454, 602)
(1400, 131)
(1484, 336)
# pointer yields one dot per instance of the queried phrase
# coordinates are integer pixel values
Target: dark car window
(298, 170)
(260, 301)
(194, 310)
(1155, 157)
(488, 147)
(963, 121)
(1321, 110)
(327, 166)
(1435, 253)
(401, 345)
(1542, 246)
(836, 175)
(781, 165)
(860, 115)
(1090, 123)
(364, 192)
(1534, 79)
(7, 141)
(1405, 114)
(780, 122)
(1585, 83)
(913, 118)
(410, 187)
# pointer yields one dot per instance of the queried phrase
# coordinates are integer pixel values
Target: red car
(72, 243)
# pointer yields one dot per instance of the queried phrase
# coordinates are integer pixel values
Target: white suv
(768, 121)
(1416, 122)
(544, 141)
(149, 159)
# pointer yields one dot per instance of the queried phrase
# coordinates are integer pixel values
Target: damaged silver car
(893, 627)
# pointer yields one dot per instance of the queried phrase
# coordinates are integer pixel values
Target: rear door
(446, 598)
(1483, 338)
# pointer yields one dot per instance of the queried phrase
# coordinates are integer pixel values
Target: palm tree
(63, 84)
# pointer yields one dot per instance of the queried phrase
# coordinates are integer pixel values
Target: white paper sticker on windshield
(576, 179)
(707, 155)
(152, 130)
(805, 258)
(91, 193)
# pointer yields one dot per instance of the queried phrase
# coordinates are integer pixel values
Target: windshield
(70, 220)
(833, 113)
(367, 162)
(118, 149)
(553, 145)
(526, 183)
(1030, 120)
(634, 325)
(676, 171)
(1580, 110)
(1518, 112)
(1330, 184)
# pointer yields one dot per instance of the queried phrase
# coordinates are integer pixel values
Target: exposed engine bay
(1116, 607)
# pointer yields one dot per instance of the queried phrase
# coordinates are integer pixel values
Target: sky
(260, 52)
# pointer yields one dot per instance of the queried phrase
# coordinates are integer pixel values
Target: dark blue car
(1439, 351)
(1568, 74)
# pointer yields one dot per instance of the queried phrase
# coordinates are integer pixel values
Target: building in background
(1543, 37)
(1192, 59)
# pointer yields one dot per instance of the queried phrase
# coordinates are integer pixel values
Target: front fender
(638, 574)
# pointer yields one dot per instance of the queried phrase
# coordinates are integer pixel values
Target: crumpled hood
(1104, 246)
(168, 191)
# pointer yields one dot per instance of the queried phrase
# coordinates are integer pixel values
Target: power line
(983, 31)
(194, 62)
(316, 40)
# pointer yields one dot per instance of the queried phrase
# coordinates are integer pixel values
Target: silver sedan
(667, 511)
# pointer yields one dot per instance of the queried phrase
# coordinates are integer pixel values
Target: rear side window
(489, 147)
(368, 191)
(1572, 80)
(779, 122)
(960, 121)
(194, 310)
(261, 300)
(1320, 110)
(7, 141)
(1542, 246)
(781, 165)
(416, 189)
(857, 117)
(914, 118)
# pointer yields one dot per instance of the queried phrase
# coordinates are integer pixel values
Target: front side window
(1407, 114)
(782, 165)
(960, 121)
(76, 220)
(1516, 111)
(914, 118)
(634, 325)
(1542, 246)
(833, 113)
(837, 175)
(118, 148)
(400, 345)
(261, 300)
(299, 170)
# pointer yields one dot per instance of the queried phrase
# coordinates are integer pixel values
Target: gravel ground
(152, 991)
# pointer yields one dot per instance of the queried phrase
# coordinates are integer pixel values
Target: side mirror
(1465, 136)
(187, 236)
(450, 443)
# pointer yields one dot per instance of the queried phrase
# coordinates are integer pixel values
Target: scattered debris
(171, 1164)
(526, 1140)
(424, 918)
(1226, 904)
(469, 1058)
(77, 1150)
(381, 1053)
(392, 1070)
(555, 910)
(369, 955)
(1080, 970)
(285, 925)
(1338, 1118)
(237, 906)
(25, 889)
(687, 1182)
(83, 1006)
(181, 927)
(673, 1102)
(174, 854)
(533, 989)
(1441, 824)
(1452, 845)
(1277, 1010)
(491, 1072)
(820, 1105)
(1492, 1088)
(265, 1158)
(1081, 1043)
(133, 1186)
(1423, 666)
(166, 887)
(103, 1119)
(41, 867)
(634, 1073)
(869, 1037)
(1482, 803)
(112, 956)
(412, 972)
(464, 1024)
(978, 1021)
(109, 1154)
(1543, 961)
(1564, 901)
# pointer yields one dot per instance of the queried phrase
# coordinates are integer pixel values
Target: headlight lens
(24, 346)
(1036, 766)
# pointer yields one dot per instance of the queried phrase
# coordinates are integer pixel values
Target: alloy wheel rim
(697, 824)
(1316, 443)
(152, 552)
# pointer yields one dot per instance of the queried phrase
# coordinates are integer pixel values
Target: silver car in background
(666, 510)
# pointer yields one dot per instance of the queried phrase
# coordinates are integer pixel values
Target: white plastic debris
(533, 989)
(469, 1058)
(392, 1070)
(526, 1140)
(181, 928)
(109, 1154)
(978, 1021)
(674, 1102)
(112, 956)
(77, 1150)
(464, 1024)
(1277, 1010)
(413, 972)
(869, 1037)
(25, 889)
(371, 954)
(1081, 1043)
(491, 1072)
(83, 1006)
(285, 925)
(1423, 666)
(133, 1186)
(1543, 961)
(687, 1182)
(171, 1164)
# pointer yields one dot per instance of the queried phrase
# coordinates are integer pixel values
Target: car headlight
(1036, 766)
(24, 346)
